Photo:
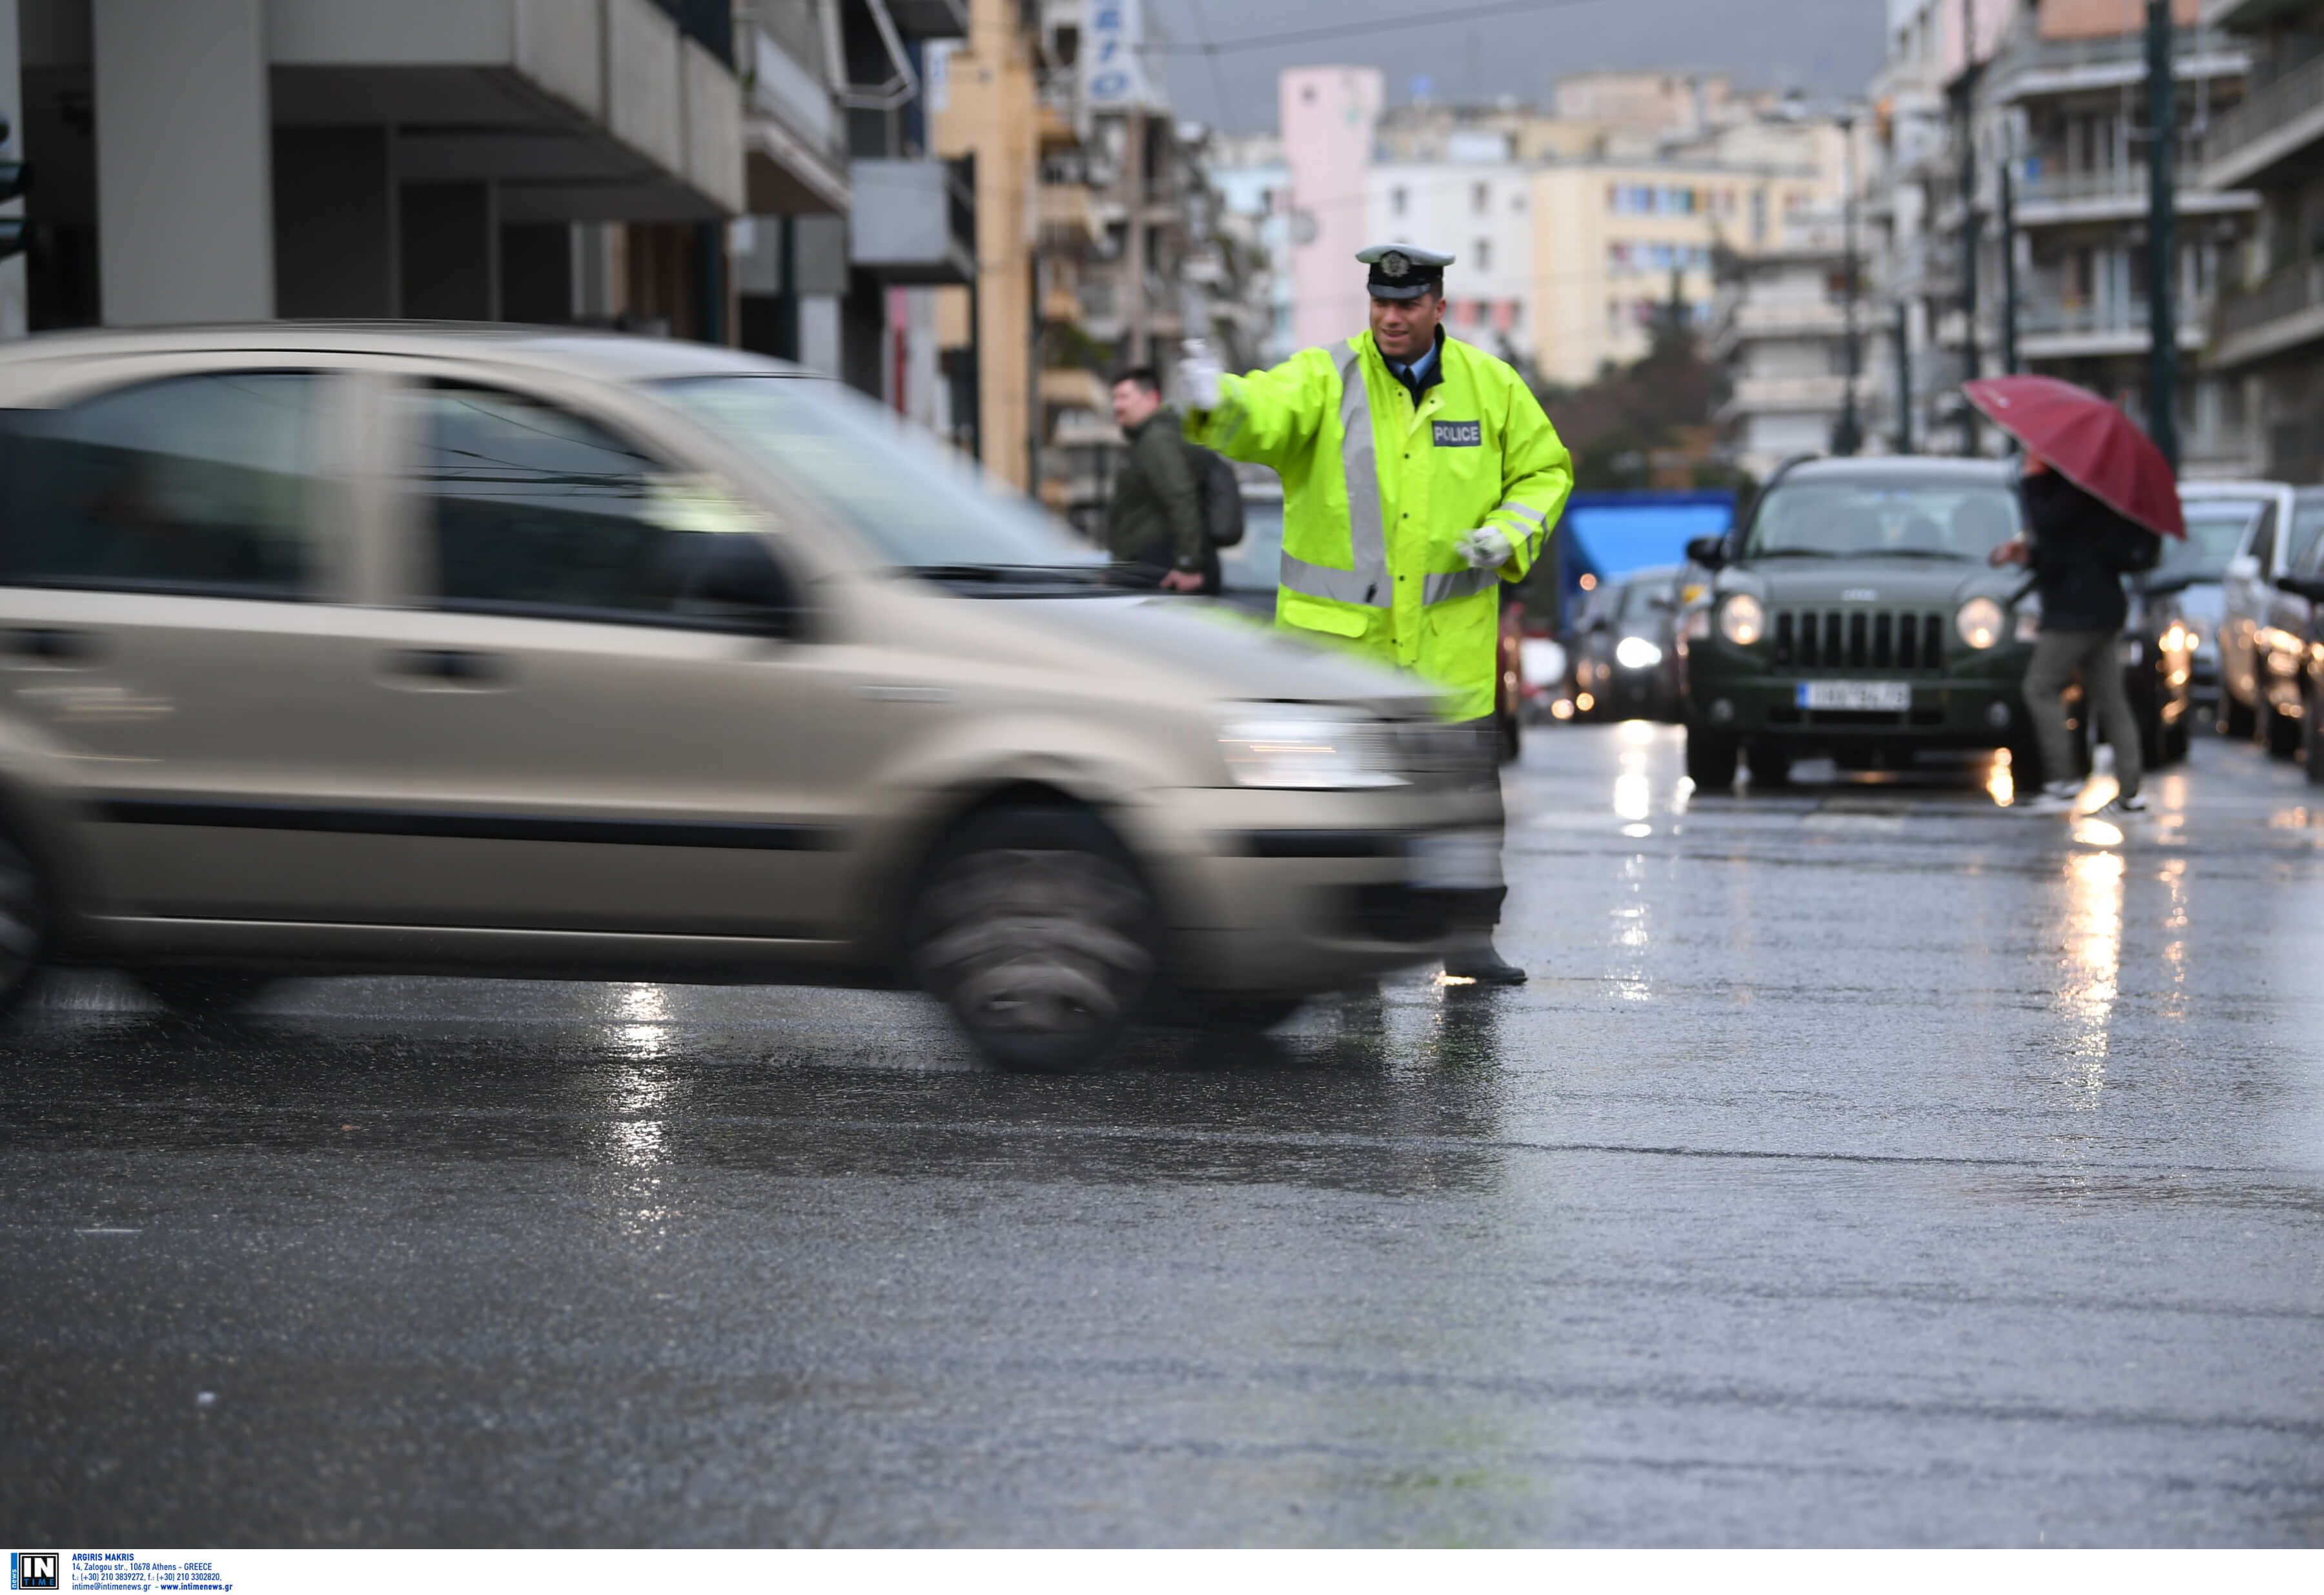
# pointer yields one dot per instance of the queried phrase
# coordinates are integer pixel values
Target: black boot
(1476, 960)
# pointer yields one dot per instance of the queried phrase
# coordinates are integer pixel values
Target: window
(192, 484)
(1480, 198)
(533, 510)
(1483, 254)
(2262, 542)
(1396, 201)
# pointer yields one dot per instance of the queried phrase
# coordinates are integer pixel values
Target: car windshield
(1928, 520)
(2215, 530)
(1638, 599)
(2306, 533)
(916, 505)
(1255, 564)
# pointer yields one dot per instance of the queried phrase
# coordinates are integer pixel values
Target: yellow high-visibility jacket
(1377, 492)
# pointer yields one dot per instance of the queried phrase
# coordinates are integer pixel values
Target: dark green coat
(1156, 516)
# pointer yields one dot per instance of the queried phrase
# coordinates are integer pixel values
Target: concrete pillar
(11, 106)
(185, 215)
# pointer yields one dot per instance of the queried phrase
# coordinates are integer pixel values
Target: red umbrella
(2091, 442)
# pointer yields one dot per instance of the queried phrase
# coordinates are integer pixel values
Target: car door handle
(455, 665)
(50, 644)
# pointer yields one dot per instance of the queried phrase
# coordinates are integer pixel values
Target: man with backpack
(1154, 522)
(2079, 552)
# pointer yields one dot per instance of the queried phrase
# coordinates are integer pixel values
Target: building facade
(2268, 332)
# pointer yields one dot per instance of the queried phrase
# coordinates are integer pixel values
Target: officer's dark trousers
(1482, 908)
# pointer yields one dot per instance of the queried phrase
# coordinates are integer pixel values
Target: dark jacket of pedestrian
(2079, 550)
(1155, 518)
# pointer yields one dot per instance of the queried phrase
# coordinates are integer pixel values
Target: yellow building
(1609, 235)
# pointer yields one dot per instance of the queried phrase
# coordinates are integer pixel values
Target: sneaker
(2057, 798)
(2118, 808)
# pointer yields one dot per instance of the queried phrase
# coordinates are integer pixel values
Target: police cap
(1404, 271)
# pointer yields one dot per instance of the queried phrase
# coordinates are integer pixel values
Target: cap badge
(1395, 263)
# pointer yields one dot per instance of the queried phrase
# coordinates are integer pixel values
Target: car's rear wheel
(24, 920)
(2280, 732)
(1709, 764)
(1770, 766)
(201, 994)
(2312, 735)
(1035, 928)
(2174, 742)
(2236, 719)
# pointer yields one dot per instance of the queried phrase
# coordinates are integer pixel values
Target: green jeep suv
(1854, 614)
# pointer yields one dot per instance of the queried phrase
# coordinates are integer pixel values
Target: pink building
(1328, 116)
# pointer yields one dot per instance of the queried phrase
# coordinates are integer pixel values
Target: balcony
(2032, 68)
(1067, 214)
(1074, 388)
(793, 156)
(2055, 198)
(2273, 125)
(914, 223)
(2281, 313)
(2065, 329)
(1759, 396)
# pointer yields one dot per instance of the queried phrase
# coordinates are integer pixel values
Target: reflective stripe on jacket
(1377, 492)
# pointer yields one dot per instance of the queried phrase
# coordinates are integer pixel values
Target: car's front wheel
(2279, 731)
(201, 994)
(1769, 765)
(24, 920)
(2312, 734)
(2236, 718)
(1709, 764)
(1035, 928)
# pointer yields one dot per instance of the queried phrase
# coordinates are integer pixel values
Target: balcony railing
(2042, 66)
(2295, 95)
(2046, 318)
(2283, 295)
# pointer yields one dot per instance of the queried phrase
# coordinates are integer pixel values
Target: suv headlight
(1308, 746)
(1980, 622)
(1741, 620)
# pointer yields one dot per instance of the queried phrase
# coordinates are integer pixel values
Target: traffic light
(15, 178)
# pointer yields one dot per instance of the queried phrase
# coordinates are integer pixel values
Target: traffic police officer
(1418, 475)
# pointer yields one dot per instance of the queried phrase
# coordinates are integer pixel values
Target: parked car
(2284, 630)
(1854, 615)
(2246, 587)
(349, 649)
(2291, 658)
(1625, 655)
(2219, 521)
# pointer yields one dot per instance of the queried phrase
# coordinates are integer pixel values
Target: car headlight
(1636, 653)
(1308, 746)
(1980, 622)
(1741, 620)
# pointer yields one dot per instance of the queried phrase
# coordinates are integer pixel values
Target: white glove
(1201, 377)
(1485, 548)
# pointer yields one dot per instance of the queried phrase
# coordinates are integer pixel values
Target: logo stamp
(1458, 434)
(33, 1570)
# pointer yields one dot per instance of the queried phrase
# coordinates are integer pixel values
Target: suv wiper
(1911, 554)
(1793, 554)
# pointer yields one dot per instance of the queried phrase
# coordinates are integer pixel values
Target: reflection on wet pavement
(1866, 1163)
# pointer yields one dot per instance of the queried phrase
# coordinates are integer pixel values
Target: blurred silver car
(365, 647)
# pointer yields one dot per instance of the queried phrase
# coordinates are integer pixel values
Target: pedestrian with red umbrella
(2096, 497)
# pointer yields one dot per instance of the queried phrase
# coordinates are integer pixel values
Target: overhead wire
(1429, 19)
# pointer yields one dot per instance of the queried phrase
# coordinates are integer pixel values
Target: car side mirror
(1710, 552)
(2302, 586)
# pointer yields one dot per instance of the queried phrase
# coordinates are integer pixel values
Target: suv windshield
(915, 505)
(2215, 530)
(1928, 520)
(1639, 595)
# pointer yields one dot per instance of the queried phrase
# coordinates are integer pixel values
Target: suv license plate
(1856, 695)
(1454, 861)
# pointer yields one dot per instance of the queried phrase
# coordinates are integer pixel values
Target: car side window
(532, 508)
(203, 484)
(2306, 537)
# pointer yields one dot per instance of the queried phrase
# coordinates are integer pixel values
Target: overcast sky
(1825, 46)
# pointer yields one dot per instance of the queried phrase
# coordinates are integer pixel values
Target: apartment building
(2269, 328)
(1787, 339)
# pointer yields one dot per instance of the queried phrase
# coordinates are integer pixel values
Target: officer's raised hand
(1201, 377)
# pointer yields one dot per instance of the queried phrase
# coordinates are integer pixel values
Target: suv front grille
(1859, 640)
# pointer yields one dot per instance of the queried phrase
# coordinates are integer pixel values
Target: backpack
(1221, 496)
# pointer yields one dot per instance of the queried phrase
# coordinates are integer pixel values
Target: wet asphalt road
(1864, 1165)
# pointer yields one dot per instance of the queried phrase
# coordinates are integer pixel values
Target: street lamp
(1848, 433)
